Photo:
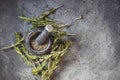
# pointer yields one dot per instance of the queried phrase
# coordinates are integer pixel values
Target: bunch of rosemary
(43, 65)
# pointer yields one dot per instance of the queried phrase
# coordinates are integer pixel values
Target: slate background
(95, 54)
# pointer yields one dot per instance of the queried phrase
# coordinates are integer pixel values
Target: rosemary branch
(13, 45)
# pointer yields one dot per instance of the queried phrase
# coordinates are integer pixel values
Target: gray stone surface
(95, 54)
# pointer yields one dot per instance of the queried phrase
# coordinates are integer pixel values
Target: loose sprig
(43, 65)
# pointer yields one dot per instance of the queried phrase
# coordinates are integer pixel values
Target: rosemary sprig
(27, 19)
(13, 45)
(79, 18)
(46, 14)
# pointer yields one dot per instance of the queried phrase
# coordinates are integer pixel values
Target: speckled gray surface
(95, 54)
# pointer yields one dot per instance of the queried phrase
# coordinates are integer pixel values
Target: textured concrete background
(96, 53)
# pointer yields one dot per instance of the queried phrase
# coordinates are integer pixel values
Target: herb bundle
(43, 65)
